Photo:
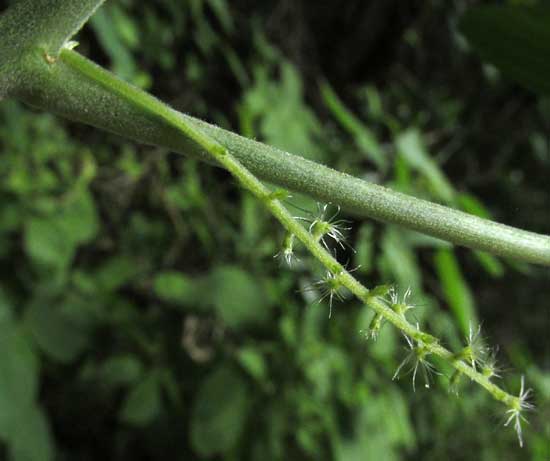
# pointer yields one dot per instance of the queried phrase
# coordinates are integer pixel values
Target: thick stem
(153, 109)
(75, 88)
(29, 24)
(46, 23)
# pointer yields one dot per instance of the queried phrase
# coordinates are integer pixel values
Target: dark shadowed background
(142, 314)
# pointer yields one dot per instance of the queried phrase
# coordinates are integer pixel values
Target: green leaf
(18, 375)
(77, 217)
(52, 240)
(491, 264)
(456, 290)
(285, 120)
(364, 246)
(471, 204)
(419, 240)
(399, 260)
(223, 13)
(219, 412)
(31, 438)
(22, 425)
(238, 297)
(253, 362)
(171, 387)
(116, 272)
(143, 403)
(398, 423)
(117, 34)
(364, 137)
(46, 243)
(411, 148)
(251, 226)
(385, 347)
(60, 334)
(381, 426)
(120, 370)
(515, 39)
(176, 288)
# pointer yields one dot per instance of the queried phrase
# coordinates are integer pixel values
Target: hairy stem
(75, 87)
(153, 109)
(28, 24)
(48, 23)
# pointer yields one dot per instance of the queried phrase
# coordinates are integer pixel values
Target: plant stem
(46, 23)
(151, 107)
(76, 88)
(277, 209)
(28, 24)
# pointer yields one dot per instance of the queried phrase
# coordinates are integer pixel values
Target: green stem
(49, 23)
(61, 88)
(28, 24)
(152, 108)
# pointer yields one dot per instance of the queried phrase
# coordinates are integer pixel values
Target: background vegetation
(142, 315)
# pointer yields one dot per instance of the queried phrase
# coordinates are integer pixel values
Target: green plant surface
(44, 23)
(515, 38)
(145, 314)
(59, 87)
(337, 275)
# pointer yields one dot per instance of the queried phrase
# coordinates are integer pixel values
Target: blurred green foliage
(142, 315)
(515, 38)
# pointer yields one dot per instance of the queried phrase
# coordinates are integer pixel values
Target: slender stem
(155, 109)
(250, 182)
(61, 88)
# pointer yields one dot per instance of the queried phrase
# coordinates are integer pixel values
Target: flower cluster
(286, 254)
(475, 352)
(416, 360)
(390, 295)
(514, 413)
(400, 305)
(480, 357)
(321, 226)
(330, 286)
(392, 305)
(490, 368)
